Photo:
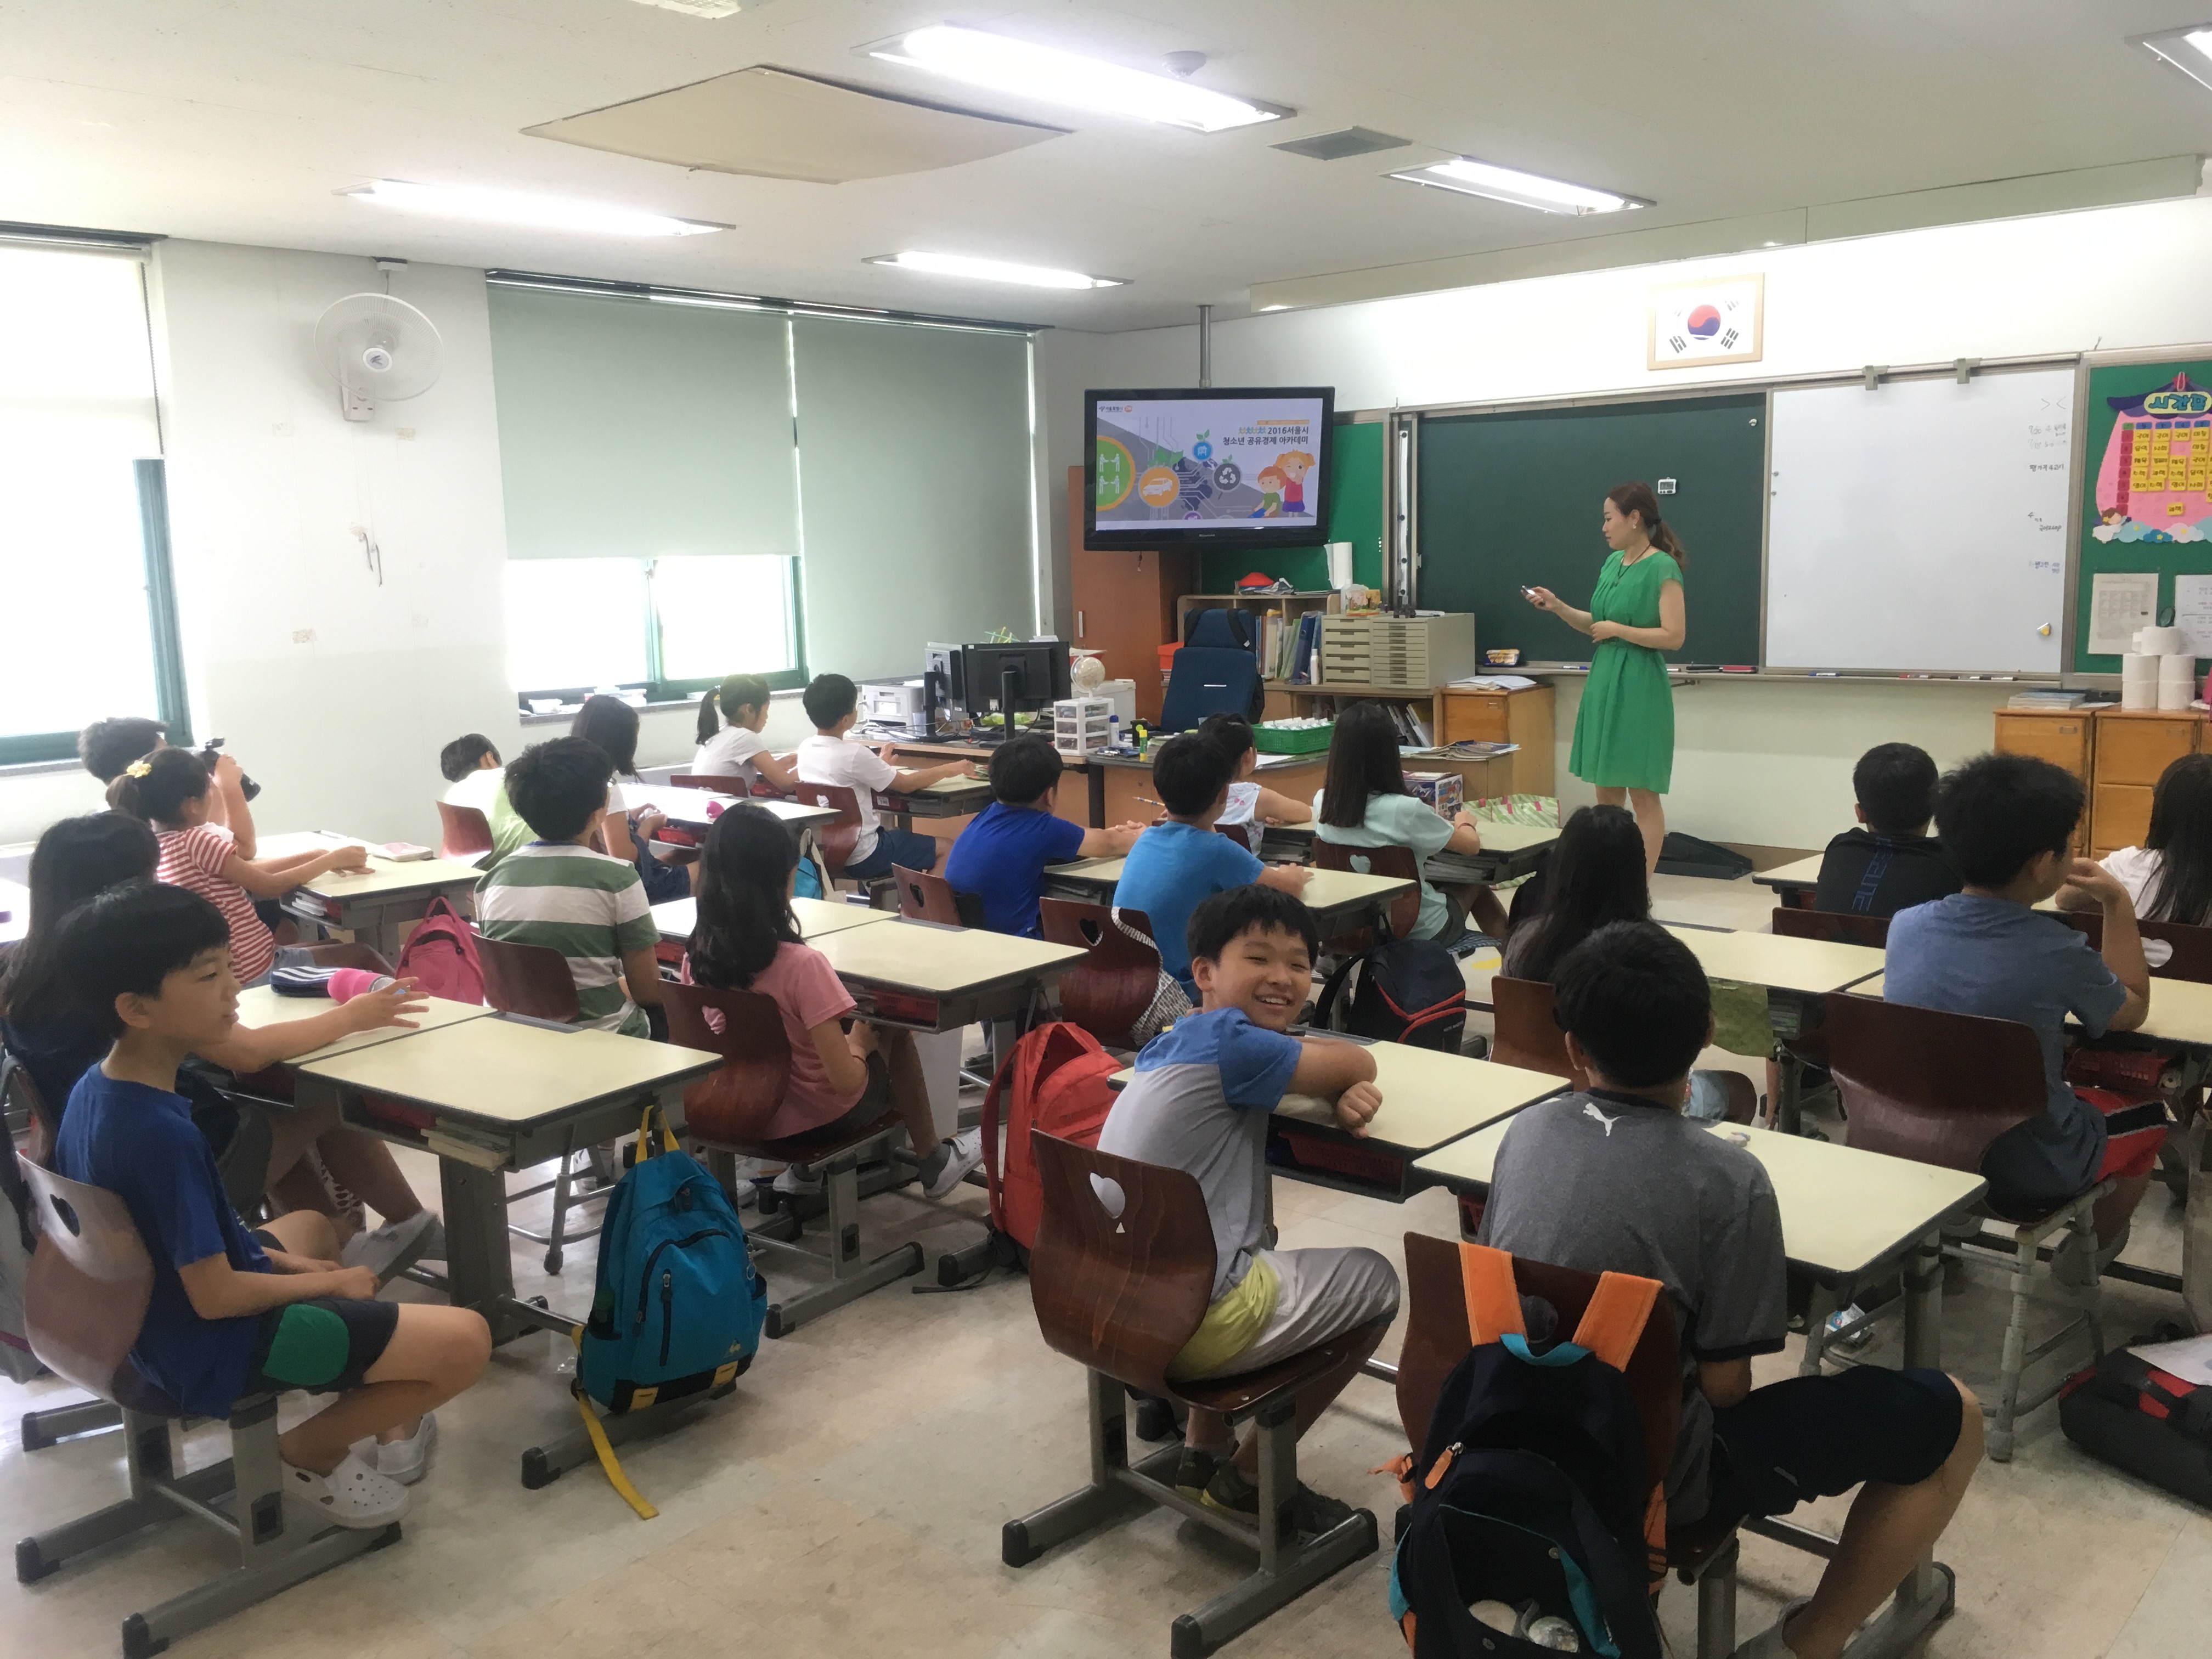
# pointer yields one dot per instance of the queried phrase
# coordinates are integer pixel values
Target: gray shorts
(1324, 1294)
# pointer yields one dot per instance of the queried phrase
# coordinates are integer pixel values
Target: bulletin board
(2145, 484)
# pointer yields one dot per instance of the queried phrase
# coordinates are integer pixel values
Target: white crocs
(351, 1495)
(404, 1460)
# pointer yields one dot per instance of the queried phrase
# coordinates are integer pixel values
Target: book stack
(2048, 698)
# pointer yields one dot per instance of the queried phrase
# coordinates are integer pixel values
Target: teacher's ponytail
(1638, 498)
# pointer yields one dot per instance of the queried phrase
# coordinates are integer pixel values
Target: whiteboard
(1921, 527)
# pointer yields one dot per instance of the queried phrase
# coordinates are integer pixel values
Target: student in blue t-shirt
(1182, 862)
(1002, 857)
(233, 1313)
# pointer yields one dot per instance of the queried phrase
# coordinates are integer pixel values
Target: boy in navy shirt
(1890, 862)
(233, 1313)
(2009, 822)
(1615, 1179)
(1001, 856)
(1180, 862)
(1199, 1103)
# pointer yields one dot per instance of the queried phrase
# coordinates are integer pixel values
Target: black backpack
(1532, 1486)
(2154, 1424)
(1409, 991)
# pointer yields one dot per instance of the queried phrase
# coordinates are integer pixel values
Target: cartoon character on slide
(1293, 466)
(1272, 485)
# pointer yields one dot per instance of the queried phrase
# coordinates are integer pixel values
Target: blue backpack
(679, 1306)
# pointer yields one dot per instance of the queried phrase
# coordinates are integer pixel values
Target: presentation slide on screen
(1223, 463)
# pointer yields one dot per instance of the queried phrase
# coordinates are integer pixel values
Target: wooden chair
(837, 839)
(1436, 1339)
(533, 981)
(1110, 990)
(1833, 926)
(84, 1297)
(727, 1115)
(1938, 1088)
(1528, 1033)
(1119, 1290)
(1246, 836)
(464, 832)
(2193, 950)
(925, 896)
(1398, 862)
(720, 786)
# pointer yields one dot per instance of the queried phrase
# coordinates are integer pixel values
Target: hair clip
(137, 768)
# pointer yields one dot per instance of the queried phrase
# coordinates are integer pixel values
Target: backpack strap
(1493, 1305)
(1613, 1324)
(645, 1148)
(604, 1448)
(1332, 990)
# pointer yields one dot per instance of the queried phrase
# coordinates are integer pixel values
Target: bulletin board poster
(2147, 490)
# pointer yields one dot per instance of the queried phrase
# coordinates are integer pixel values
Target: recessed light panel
(513, 206)
(1530, 190)
(995, 271)
(1025, 70)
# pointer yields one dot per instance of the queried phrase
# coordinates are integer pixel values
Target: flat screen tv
(1237, 466)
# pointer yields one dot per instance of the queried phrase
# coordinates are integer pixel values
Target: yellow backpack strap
(1493, 1306)
(604, 1448)
(645, 1147)
(1613, 1322)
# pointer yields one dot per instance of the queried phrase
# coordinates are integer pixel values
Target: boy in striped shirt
(556, 891)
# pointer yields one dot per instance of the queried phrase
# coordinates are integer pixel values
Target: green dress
(1625, 728)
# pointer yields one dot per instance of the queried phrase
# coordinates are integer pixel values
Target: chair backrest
(731, 785)
(90, 1278)
(1399, 861)
(1932, 1086)
(527, 979)
(1208, 680)
(1108, 991)
(925, 896)
(731, 1107)
(2090, 924)
(1437, 1338)
(1118, 1287)
(837, 839)
(1527, 1029)
(463, 831)
(2193, 950)
(1245, 835)
(1833, 926)
(348, 953)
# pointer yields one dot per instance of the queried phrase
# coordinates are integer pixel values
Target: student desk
(1793, 883)
(1509, 851)
(1128, 795)
(929, 977)
(1338, 898)
(948, 798)
(2181, 1011)
(261, 1006)
(376, 905)
(688, 807)
(816, 917)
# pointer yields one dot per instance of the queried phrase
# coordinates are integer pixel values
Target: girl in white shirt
(732, 716)
(2169, 876)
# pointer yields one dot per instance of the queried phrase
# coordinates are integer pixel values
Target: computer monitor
(1030, 675)
(943, 686)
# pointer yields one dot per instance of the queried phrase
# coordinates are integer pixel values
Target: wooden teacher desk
(379, 905)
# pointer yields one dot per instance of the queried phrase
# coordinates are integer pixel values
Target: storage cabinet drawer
(2137, 751)
(1475, 717)
(2123, 816)
(2063, 743)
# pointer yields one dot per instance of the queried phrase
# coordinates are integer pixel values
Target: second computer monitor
(1027, 676)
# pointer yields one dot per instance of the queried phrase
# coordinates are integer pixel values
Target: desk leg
(1098, 776)
(1923, 1305)
(479, 1268)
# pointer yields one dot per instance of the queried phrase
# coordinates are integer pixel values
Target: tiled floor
(848, 1499)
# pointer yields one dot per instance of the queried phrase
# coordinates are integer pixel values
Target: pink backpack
(440, 956)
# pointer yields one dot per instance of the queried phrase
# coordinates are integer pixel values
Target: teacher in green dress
(1625, 728)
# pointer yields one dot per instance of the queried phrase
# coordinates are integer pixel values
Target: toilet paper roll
(2159, 641)
(1340, 564)
(2179, 666)
(2174, 694)
(2139, 694)
(2137, 667)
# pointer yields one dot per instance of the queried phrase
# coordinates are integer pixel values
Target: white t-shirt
(2134, 868)
(852, 766)
(1244, 803)
(476, 789)
(729, 754)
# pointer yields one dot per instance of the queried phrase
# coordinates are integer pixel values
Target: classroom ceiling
(241, 120)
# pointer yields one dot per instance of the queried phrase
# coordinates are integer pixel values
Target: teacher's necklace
(1628, 559)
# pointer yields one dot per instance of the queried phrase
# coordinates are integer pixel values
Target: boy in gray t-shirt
(1615, 1179)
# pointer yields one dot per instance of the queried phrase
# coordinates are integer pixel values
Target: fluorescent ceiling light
(1529, 189)
(514, 207)
(2189, 50)
(1004, 65)
(995, 271)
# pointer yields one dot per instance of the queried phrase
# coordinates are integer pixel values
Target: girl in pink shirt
(747, 940)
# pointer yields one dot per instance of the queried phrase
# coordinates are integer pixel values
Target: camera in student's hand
(247, 787)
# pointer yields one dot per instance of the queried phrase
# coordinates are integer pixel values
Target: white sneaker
(351, 1495)
(385, 1250)
(1768, 1643)
(961, 1153)
(792, 1185)
(404, 1460)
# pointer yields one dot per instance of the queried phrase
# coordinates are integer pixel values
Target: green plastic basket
(1304, 740)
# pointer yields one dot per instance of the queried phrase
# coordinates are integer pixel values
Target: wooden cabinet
(1524, 717)
(2133, 749)
(1124, 604)
(2065, 738)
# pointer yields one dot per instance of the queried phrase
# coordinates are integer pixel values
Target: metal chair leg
(1717, 1604)
(2016, 1345)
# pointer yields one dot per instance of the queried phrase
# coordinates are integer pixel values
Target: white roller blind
(77, 379)
(637, 429)
(915, 484)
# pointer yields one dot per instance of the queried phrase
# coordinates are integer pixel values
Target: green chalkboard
(1355, 515)
(2137, 494)
(1516, 497)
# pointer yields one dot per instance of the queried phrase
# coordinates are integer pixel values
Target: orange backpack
(1058, 1077)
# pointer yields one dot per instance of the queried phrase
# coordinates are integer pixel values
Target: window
(670, 627)
(89, 627)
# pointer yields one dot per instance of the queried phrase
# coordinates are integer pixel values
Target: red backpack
(1058, 1077)
(440, 956)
